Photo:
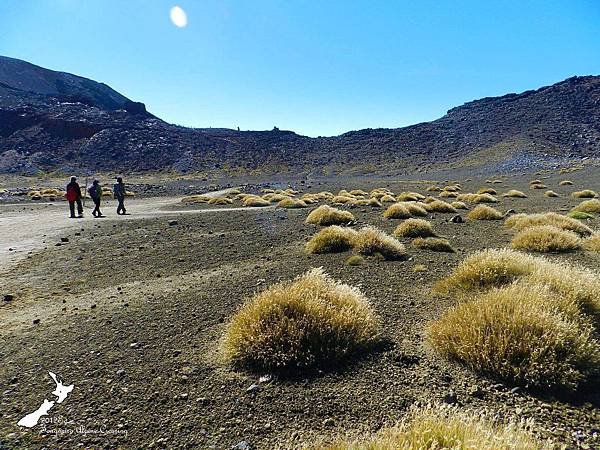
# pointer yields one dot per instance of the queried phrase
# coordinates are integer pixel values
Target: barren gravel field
(130, 310)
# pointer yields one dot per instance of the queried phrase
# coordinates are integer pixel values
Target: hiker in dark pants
(74, 196)
(95, 192)
(119, 194)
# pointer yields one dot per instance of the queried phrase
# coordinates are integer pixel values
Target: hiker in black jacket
(119, 194)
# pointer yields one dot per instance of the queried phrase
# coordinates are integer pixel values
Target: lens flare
(178, 17)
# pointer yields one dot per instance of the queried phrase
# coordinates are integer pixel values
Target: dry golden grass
(342, 200)
(418, 268)
(588, 206)
(415, 209)
(220, 201)
(487, 190)
(355, 260)
(326, 215)
(434, 244)
(414, 228)
(440, 427)
(52, 192)
(440, 206)
(359, 192)
(551, 194)
(592, 243)
(566, 183)
(452, 188)
(195, 199)
(448, 194)
(274, 198)
(373, 202)
(310, 199)
(291, 203)
(519, 222)
(372, 241)
(255, 201)
(396, 211)
(538, 186)
(459, 205)
(387, 199)
(586, 193)
(532, 182)
(433, 188)
(332, 239)
(513, 193)
(546, 239)
(522, 333)
(484, 212)
(484, 270)
(579, 215)
(477, 198)
(311, 321)
(410, 197)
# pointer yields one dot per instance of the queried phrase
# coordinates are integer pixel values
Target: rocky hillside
(56, 121)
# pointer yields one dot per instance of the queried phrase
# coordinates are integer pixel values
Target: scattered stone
(329, 422)
(173, 223)
(242, 445)
(252, 388)
(121, 372)
(265, 378)
(450, 398)
(36, 321)
(64, 239)
(515, 390)
(509, 212)
(9, 297)
(457, 219)
(135, 345)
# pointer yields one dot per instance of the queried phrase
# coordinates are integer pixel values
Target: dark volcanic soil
(131, 313)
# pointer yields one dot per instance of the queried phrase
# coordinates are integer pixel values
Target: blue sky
(316, 67)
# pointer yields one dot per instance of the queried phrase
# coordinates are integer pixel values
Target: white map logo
(61, 392)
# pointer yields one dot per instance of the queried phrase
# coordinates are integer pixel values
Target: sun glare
(178, 17)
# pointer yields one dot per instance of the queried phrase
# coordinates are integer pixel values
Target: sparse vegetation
(372, 241)
(418, 268)
(592, 243)
(415, 209)
(521, 333)
(220, 201)
(546, 238)
(396, 211)
(588, 206)
(327, 215)
(484, 212)
(291, 203)
(332, 239)
(311, 321)
(487, 190)
(586, 193)
(459, 205)
(566, 183)
(538, 186)
(433, 243)
(477, 198)
(441, 427)
(513, 193)
(355, 260)
(580, 215)
(440, 206)
(414, 228)
(448, 194)
(519, 222)
(551, 194)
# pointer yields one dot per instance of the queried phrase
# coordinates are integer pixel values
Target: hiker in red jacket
(74, 196)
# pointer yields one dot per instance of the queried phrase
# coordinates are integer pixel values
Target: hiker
(119, 194)
(95, 192)
(74, 196)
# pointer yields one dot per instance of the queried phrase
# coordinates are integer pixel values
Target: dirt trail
(24, 228)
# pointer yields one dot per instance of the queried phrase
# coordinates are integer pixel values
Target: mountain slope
(56, 121)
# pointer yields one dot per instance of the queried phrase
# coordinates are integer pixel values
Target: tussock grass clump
(588, 206)
(342, 199)
(410, 197)
(459, 205)
(387, 198)
(551, 194)
(538, 186)
(442, 427)
(332, 239)
(521, 333)
(519, 222)
(372, 241)
(253, 201)
(484, 270)
(487, 190)
(199, 198)
(327, 215)
(477, 198)
(532, 182)
(414, 228)
(220, 201)
(415, 209)
(433, 243)
(274, 198)
(586, 193)
(484, 212)
(311, 321)
(291, 203)
(546, 239)
(440, 206)
(355, 260)
(358, 192)
(452, 188)
(368, 202)
(513, 193)
(579, 215)
(396, 211)
(433, 188)
(592, 244)
(448, 194)
(566, 183)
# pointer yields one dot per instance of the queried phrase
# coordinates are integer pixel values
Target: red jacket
(73, 191)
